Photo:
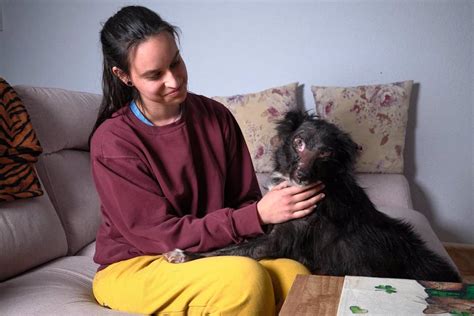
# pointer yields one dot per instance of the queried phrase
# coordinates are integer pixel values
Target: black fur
(345, 235)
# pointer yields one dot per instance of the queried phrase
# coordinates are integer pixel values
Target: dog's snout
(300, 174)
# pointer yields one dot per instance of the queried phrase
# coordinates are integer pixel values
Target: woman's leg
(283, 272)
(216, 285)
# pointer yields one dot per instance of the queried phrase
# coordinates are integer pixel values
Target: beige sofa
(47, 242)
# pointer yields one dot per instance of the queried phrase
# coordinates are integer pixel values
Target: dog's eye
(298, 144)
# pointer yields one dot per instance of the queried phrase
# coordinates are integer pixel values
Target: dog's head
(310, 149)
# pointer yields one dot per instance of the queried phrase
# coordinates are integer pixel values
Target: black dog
(345, 235)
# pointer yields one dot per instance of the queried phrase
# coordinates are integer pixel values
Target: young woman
(173, 171)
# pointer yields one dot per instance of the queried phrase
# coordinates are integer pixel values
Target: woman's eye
(155, 76)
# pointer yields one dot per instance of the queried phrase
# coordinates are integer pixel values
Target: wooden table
(313, 295)
(319, 295)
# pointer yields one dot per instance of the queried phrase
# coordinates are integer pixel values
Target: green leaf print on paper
(458, 313)
(358, 310)
(387, 288)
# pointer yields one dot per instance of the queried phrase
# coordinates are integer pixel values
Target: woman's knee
(289, 266)
(283, 273)
(245, 286)
(247, 272)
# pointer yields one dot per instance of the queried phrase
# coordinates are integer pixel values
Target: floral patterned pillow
(256, 114)
(376, 118)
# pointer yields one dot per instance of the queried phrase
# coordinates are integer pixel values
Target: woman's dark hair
(122, 33)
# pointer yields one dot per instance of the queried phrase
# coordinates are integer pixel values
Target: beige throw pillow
(256, 114)
(376, 118)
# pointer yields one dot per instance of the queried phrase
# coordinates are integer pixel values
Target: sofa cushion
(30, 234)
(375, 116)
(386, 189)
(62, 287)
(67, 178)
(62, 119)
(256, 114)
(19, 148)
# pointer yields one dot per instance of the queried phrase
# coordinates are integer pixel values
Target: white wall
(246, 46)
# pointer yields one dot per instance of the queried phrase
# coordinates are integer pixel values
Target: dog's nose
(300, 174)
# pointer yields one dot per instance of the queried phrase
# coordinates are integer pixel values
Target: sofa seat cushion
(64, 286)
(61, 287)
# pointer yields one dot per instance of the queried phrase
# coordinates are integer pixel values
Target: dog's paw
(176, 256)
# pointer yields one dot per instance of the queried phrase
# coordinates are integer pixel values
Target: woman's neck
(160, 115)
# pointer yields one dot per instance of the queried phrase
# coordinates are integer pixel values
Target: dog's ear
(348, 150)
(291, 121)
(275, 142)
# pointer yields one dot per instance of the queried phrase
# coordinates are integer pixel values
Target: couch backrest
(30, 234)
(63, 120)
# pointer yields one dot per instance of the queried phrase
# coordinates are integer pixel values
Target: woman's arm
(134, 205)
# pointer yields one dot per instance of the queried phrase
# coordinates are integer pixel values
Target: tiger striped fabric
(19, 148)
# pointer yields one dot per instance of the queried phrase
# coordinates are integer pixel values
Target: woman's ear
(119, 73)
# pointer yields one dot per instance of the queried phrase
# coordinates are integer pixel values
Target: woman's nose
(171, 79)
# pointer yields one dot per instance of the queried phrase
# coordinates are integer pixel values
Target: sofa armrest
(422, 227)
(386, 189)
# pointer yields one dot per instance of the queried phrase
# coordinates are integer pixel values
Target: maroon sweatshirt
(188, 185)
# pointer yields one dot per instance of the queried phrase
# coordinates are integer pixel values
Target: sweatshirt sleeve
(242, 187)
(135, 209)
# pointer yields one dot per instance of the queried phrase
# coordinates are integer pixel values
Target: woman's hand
(284, 202)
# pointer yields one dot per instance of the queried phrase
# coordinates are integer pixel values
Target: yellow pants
(211, 286)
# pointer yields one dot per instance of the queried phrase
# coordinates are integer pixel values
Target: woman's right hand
(283, 202)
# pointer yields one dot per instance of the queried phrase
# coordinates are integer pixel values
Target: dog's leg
(257, 248)
(179, 256)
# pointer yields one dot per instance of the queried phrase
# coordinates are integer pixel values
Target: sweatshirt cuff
(247, 222)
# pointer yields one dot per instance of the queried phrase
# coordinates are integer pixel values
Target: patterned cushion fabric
(376, 118)
(256, 114)
(19, 148)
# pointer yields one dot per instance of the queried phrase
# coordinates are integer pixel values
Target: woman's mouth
(174, 92)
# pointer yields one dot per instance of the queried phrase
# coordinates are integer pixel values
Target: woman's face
(158, 72)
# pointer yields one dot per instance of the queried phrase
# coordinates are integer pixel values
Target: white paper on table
(361, 294)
